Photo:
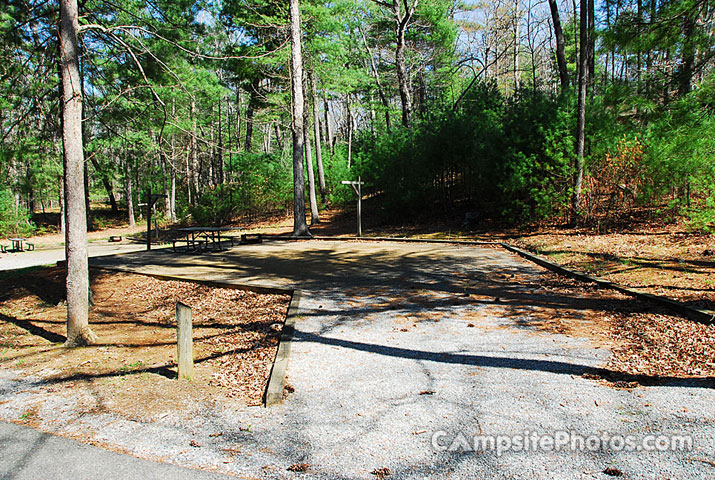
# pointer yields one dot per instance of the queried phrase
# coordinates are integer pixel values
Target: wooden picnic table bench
(17, 244)
(203, 238)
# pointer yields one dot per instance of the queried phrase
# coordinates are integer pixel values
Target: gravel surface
(388, 374)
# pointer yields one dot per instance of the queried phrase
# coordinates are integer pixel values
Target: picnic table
(199, 238)
(17, 244)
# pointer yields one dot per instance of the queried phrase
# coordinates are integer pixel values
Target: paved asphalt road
(31, 455)
(12, 261)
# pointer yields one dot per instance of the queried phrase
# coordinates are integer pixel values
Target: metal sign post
(358, 191)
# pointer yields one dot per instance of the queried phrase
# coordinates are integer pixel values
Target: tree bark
(517, 44)
(61, 181)
(165, 184)
(560, 46)
(378, 83)
(402, 20)
(219, 159)
(316, 132)
(350, 130)
(328, 125)
(314, 215)
(685, 74)
(194, 152)
(78, 331)
(580, 113)
(128, 191)
(87, 209)
(300, 228)
(107, 185)
(250, 112)
(592, 48)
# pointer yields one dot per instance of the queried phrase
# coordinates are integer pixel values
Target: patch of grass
(131, 366)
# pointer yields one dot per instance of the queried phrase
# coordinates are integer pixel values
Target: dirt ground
(131, 371)
(668, 263)
(645, 340)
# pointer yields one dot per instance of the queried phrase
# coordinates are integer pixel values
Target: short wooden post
(184, 341)
(359, 208)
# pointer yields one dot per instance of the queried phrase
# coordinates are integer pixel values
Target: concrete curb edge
(276, 380)
(273, 394)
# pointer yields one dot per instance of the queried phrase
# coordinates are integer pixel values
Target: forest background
(515, 111)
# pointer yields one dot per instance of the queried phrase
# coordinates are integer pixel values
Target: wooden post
(184, 342)
(359, 208)
(151, 200)
(357, 188)
(148, 223)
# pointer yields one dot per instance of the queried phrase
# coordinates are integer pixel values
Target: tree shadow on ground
(549, 366)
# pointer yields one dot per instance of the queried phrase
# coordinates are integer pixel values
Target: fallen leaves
(236, 332)
(613, 472)
(381, 473)
(299, 467)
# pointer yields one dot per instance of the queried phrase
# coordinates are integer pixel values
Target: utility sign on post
(358, 191)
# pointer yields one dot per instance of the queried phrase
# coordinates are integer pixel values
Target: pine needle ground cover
(131, 371)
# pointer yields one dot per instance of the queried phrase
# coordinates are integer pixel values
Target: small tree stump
(184, 341)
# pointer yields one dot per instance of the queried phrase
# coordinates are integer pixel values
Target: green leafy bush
(13, 221)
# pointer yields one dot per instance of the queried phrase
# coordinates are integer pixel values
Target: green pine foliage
(506, 158)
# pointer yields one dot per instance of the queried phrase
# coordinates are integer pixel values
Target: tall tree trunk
(172, 172)
(194, 152)
(580, 113)
(300, 228)
(219, 159)
(165, 184)
(639, 54)
(87, 209)
(238, 118)
(31, 192)
(649, 55)
(592, 47)
(314, 215)
(378, 83)
(268, 137)
(61, 182)
(560, 46)
(328, 125)
(316, 132)
(188, 174)
(128, 190)
(250, 112)
(402, 20)
(685, 74)
(517, 43)
(172, 196)
(107, 185)
(350, 130)
(78, 331)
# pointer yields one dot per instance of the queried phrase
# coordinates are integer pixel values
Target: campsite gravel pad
(402, 351)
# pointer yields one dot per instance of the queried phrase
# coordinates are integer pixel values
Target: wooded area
(516, 109)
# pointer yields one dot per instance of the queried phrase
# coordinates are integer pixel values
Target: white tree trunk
(316, 132)
(78, 332)
(314, 218)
